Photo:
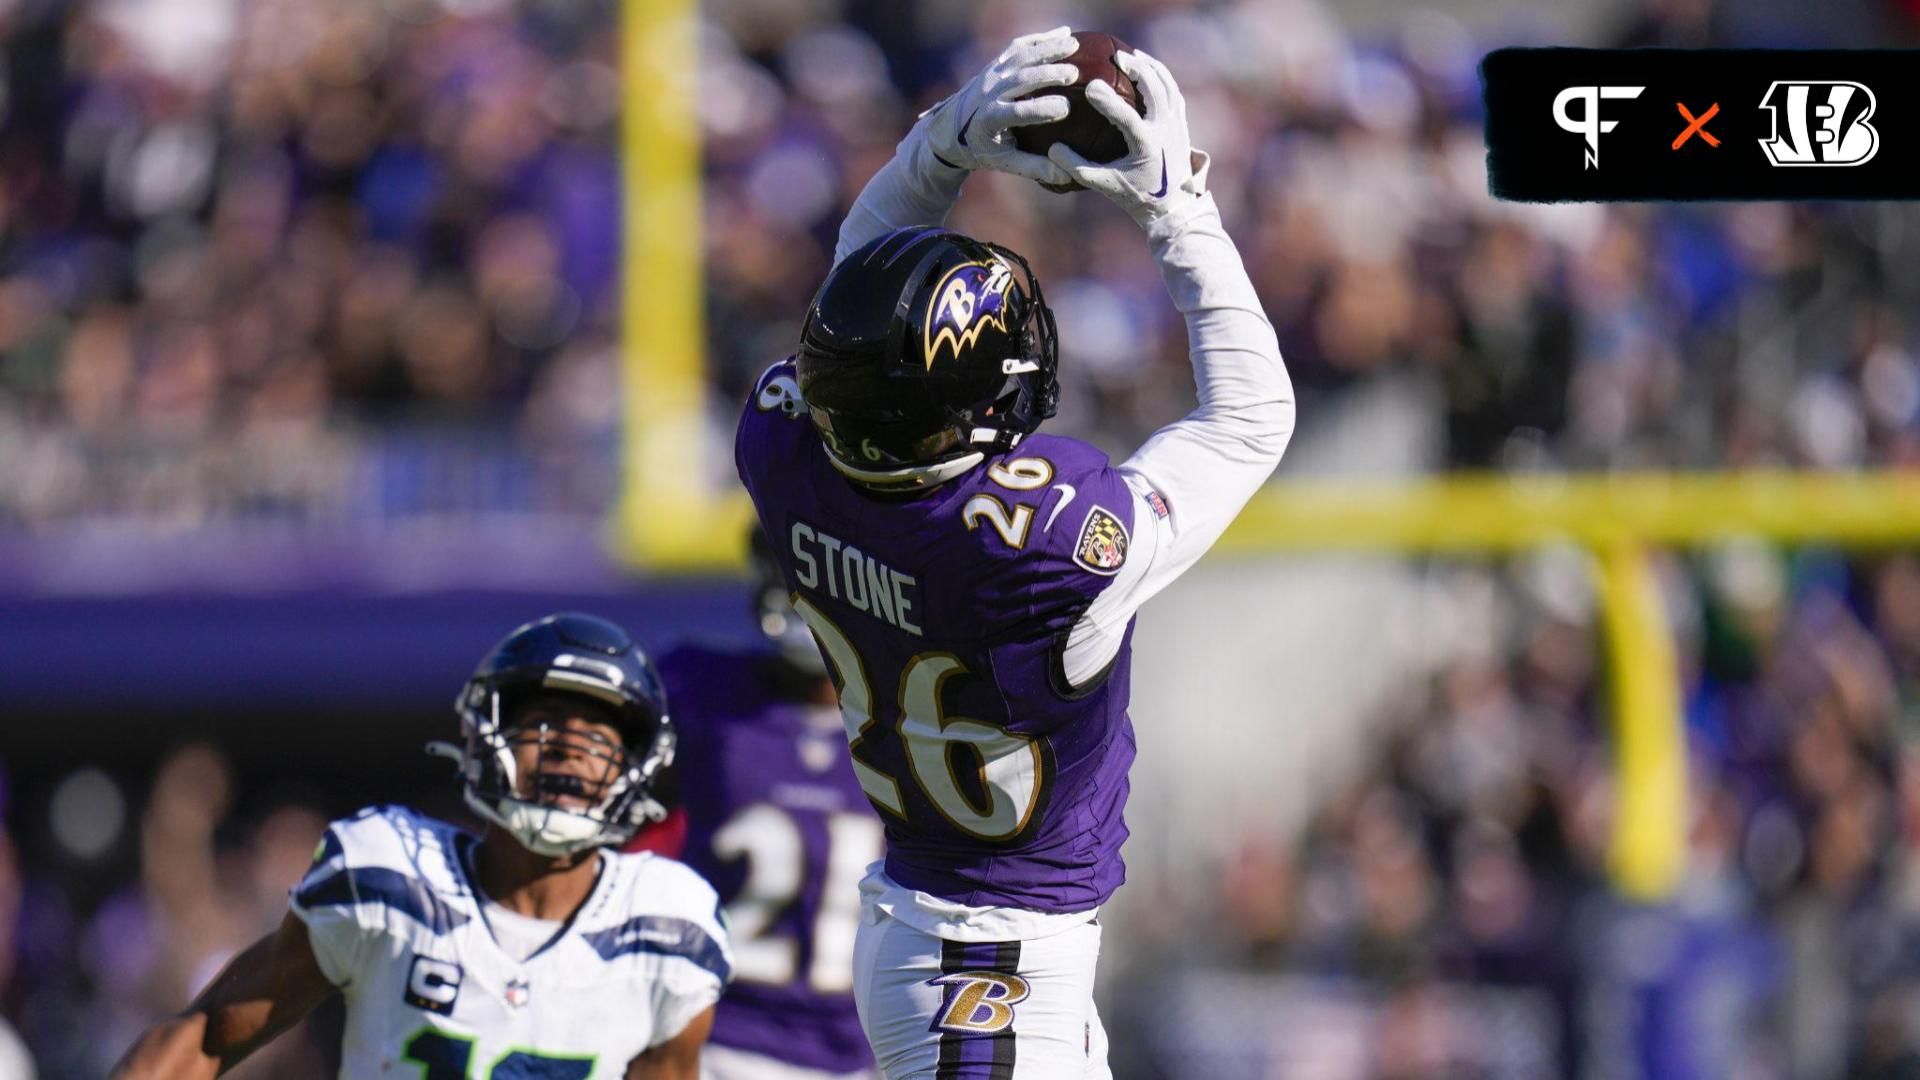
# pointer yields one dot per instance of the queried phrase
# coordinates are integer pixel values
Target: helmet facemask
(1031, 393)
(556, 787)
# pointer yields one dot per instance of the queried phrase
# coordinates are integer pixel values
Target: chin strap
(645, 809)
(911, 478)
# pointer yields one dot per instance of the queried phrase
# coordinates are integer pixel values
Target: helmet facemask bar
(617, 800)
(1030, 395)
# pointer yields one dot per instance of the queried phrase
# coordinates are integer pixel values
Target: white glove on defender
(970, 129)
(1162, 176)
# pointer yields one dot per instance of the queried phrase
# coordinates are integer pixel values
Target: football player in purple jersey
(973, 584)
(775, 819)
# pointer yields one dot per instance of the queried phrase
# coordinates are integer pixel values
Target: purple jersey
(778, 824)
(944, 617)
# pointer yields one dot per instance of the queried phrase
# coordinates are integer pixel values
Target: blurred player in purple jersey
(973, 584)
(774, 818)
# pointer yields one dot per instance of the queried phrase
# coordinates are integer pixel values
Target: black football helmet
(923, 352)
(569, 654)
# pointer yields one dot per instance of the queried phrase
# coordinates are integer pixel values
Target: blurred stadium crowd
(241, 238)
(1448, 912)
(284, 260)
(96, 953)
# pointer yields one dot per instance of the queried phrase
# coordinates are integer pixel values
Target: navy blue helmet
(923, 352)
(566, 654)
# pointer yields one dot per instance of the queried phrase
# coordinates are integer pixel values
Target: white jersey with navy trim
(396, 923)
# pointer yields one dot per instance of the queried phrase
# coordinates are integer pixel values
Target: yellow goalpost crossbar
(1462, 514)
(672, 517)
(1496, 512)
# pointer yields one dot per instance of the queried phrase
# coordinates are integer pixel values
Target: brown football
(1083, 128)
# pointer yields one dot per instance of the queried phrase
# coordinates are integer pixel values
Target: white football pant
(996, 1010)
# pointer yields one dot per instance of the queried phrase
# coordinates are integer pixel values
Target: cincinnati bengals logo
(979, 1002)
(968, 299)
(1825, 123)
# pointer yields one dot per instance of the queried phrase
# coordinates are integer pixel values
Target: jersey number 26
(1012, 769)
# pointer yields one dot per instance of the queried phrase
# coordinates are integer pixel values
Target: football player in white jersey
(534, 950)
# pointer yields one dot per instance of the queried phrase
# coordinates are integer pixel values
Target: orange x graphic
(1697, 125)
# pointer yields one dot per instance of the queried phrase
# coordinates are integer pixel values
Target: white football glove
(970, 130)
(1161, 175)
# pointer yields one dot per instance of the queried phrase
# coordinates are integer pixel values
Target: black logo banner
(1598, 125)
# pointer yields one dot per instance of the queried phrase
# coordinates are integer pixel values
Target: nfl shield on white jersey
(398, 925)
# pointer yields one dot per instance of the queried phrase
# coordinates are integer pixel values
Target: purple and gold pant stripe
(977, 1056)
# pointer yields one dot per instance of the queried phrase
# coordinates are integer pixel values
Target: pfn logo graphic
(1826, 123)
(1589, 125)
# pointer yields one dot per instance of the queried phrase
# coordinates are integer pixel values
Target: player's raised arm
(261, 993)
(965, 132)
(1195, 474)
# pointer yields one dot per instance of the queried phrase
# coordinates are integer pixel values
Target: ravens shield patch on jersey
(1103, 543)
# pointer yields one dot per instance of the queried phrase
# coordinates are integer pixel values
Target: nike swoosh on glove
(970, 130)
(1161, 176)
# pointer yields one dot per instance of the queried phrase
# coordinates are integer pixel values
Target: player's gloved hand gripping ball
(1084, 129)
(1161, 176)
(970, 130)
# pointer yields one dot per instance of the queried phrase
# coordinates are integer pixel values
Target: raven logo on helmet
(968, 299)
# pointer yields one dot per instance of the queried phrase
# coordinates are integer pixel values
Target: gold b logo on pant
(979, 1002)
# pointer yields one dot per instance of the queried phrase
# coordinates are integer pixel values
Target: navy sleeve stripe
(378, 885)
(329, 847)
(663, 935)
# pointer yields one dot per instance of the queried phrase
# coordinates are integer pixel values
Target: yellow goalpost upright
(667, 515)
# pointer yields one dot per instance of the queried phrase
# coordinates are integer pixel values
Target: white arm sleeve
(695, 971)
(914, 188)
(1204, 467)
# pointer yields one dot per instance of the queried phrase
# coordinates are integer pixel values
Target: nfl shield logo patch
(1103, 543)
(518, 992)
